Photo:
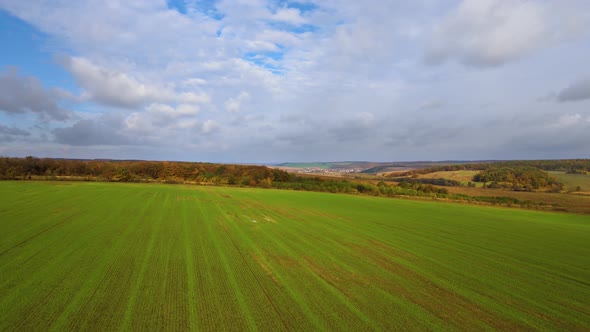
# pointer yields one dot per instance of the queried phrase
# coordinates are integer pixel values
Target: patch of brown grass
(266, 269)
(461, 176)
(559, 201)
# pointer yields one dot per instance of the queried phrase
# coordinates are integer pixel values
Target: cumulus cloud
(194, 81)
(13, 131)
(104, 131)
(493, 32)
(165, 121)
(209, 126)
(577, 91)
(196, 128)
(278, 37)
(162, 115)
(10, 134)
(110, 87)
(169, 111)
(288, 15)
(571, 120)
(118, 89)
(234, 104)
(489, 32)
(260, 80)
(28, 95)
(191, 97)
(140, 123)
(135, 129)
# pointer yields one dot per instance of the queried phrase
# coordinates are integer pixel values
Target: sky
(268, 81)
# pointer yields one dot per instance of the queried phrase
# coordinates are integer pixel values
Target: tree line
(31, 168)
(564, 165)
(139, 171)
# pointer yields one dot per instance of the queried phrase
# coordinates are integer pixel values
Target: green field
(99, 256)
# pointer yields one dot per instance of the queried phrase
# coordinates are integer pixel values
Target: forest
(437, 182)
(518, 178)
(140, 171)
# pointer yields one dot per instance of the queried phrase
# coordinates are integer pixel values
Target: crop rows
(77, 256)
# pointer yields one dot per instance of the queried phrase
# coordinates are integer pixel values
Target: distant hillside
(358, 165)
(140, 171)
(370, 167)
(414, 165)
(574, 166)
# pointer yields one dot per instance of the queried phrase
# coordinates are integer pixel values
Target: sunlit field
(103, 256)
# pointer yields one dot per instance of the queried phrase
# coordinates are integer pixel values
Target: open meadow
(106, 256)
(573, 181)
(462, 176)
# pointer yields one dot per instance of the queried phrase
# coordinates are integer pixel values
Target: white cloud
(234, 104)
(489, 32)
(169, 111)
(289, 15)
(112, 87)
(190, 97)
(493, 32)
(257, 45)
(136, 122)
(569, 120)
(194, 82)
(209, 126)
(278, 37)
(345, 71)
(186, 109)
(118, 89)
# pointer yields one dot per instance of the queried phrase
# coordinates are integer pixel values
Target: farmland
(558, 202)
(461, 176)
(104, 256)
(572, 181)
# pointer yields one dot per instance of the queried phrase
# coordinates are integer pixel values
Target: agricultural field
(105, 256)
(462, 176)
(553, 201)
(572, 181)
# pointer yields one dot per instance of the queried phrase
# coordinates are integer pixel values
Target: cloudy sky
(275, 80)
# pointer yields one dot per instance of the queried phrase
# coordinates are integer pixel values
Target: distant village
(327, 170)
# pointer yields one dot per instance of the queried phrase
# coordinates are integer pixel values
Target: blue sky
(272, 81)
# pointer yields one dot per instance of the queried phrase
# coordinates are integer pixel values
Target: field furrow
(90, 256)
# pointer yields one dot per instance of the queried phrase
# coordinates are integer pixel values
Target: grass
(557, 201)
(571, 181)
(80, 256)
(461, 176)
